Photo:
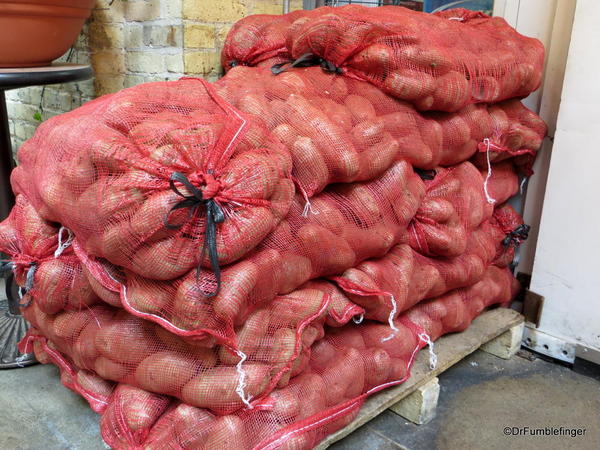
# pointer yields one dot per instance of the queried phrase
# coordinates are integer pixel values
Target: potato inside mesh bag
(440, 62)
(144, 151)
(41, 257)
(341, 227)
(272, 346)
(458, 200)
(339, 129)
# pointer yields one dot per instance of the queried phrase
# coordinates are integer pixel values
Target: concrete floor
(479, 397)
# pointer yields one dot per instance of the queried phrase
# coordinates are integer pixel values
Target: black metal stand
(12, 325)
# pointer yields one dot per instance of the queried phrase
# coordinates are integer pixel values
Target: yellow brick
(102, 35)
(199, 36)
(107, 84)
(107, 62)
(267, 7)
(202, 63)
(296, 5)
(222, 34)
(227, 11)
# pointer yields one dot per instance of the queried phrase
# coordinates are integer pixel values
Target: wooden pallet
(498, 332)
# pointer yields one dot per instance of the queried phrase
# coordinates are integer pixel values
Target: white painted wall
(566, 269)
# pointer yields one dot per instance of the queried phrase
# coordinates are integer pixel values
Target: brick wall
(136, 41)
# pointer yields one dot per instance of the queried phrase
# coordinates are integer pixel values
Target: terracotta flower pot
(35, 32)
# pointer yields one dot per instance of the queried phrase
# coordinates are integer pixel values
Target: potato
(373, 59)
(283, 347)
(323, 352)
(165, 259)
(286, 134)
(282, 198)
(399, 370)
(237, 283)
(52, 283)
(127, 340)
(166, 372)
(84, 349)
(329, 254)
(216, 388)
(376, 159)
(192, 309)
(310, 169)
(148, 222)
(116, 245)
(253, 223)
(401, 344)
(110, 297)
(149, 296)
(368, 132)
(69, 324)
(419, 317)
(226, 432)
(409, 84)
(140, 409)
(360, 108)
(93, 384)
(345, 377)
(338, 113)
(437, 209)
(249, 337)
(295, 270)
(286, 405)
(109, 369)
(191, 425)
(452, 92)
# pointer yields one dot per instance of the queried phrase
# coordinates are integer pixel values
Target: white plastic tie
(19, 359)
(522, 185)
(242, 379)
(358, 319)
(391, 318)
(432, 356)
(63, 245)
(308, 209)
(489, 199)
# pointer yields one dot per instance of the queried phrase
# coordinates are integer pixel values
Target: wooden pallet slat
(450, 349)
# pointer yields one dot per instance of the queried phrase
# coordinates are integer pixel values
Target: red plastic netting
(457, 201)
(387, 286)
(113, 170)
(341, 130)
(259, 40)
(345, 367)
(240, 264)
(42, 261)
(348, 224)
(437, 62)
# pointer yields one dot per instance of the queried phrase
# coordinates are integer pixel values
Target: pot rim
(27, 9)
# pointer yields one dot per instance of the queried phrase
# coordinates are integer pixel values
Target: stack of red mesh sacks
(195, 257)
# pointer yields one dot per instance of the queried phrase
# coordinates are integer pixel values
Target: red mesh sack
(387, 286)
(97, 391)
(42, 260)
(345, 367)
(515, 232)
(521, 138)
(271, 346)
(339, 129)
(457, 201)
(156, 176)
(259, 40)
(437, 62)
(349, 223)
